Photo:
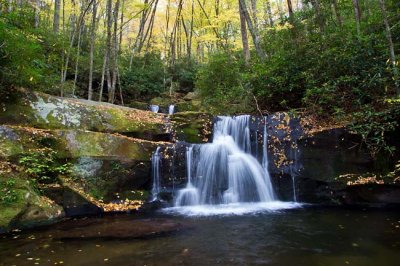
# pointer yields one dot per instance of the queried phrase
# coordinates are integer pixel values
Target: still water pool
(302, 236)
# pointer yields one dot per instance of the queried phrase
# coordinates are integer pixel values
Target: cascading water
(224, 177)
(171, 109)
(155, 171)
(189, 195)
(226, 173)
(154, 108)
(265, 149)
(293, 171)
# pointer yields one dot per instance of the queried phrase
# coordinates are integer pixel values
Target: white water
(233, 208)
(171, 109)
(293, 172)
(224, 178)
(155, 172)
(154, 108)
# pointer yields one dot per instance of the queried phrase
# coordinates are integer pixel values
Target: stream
(301, 236)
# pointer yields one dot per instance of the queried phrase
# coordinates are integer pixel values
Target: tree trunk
(252, 29)
(254, 13)
(290, 10)
(77, 58)
(115, 53)
(10, 6)
(92, 40)
(391, 46)
(337, 12)
(269, 13)
(319, 16)
(245, 41)
(103, 77)
(56, 19)
(37, 14)
(357, 14)
(109, 48)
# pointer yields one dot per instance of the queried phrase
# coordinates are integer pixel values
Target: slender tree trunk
(254, 12)
(10, 6)
(92, 40)
(56, 19)
(357, 14)
(319, 16)
(290, 10)
(253, 30)
(390, 45)
(337, 12)
(269, 13)
(191, 32)
(109, 48)
(245, 41)
(77, 58)
(103, 77)
(151, 26)
(37, 14)
(114, 54)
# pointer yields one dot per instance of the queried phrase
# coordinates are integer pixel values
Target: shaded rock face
(303, 167)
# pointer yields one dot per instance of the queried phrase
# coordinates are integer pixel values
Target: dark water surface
(290, 237)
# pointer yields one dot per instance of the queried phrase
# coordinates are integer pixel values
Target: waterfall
(189, 195)
(293, 171)
(155, 171)
(171, 109)
(226, 172)
(154, 108)
(265, 150)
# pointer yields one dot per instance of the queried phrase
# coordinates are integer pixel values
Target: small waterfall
(171, 109)
(293, 171)
(189, 195)
(226, 172)
(154, 108)
(265, 149)
(155, 171)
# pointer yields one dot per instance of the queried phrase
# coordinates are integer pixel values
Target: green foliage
(29, 57)
(7, 189)
(43, 166)
(374, 126)
(145, 79)
(220, 82)
(395, 174)
(183, 72)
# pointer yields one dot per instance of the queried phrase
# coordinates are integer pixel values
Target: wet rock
(192, 127)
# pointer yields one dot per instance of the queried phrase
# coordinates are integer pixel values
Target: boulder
(43, 111)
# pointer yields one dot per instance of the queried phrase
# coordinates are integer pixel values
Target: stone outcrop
(106, 150)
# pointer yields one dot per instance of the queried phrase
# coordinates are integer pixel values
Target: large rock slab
(49, 112)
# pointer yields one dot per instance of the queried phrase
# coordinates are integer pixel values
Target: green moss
(11, 208)
(9, 147)
(48, 112)
(192, 127)
(161, 101)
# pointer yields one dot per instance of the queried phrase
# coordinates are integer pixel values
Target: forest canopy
(329, 57)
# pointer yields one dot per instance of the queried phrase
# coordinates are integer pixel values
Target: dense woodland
(331, 58)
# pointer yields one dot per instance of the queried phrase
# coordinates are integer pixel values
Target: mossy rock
(164, 102)
(48, 112)
(25, 207)
(186, 107)
(139, 105)
(192, 127)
